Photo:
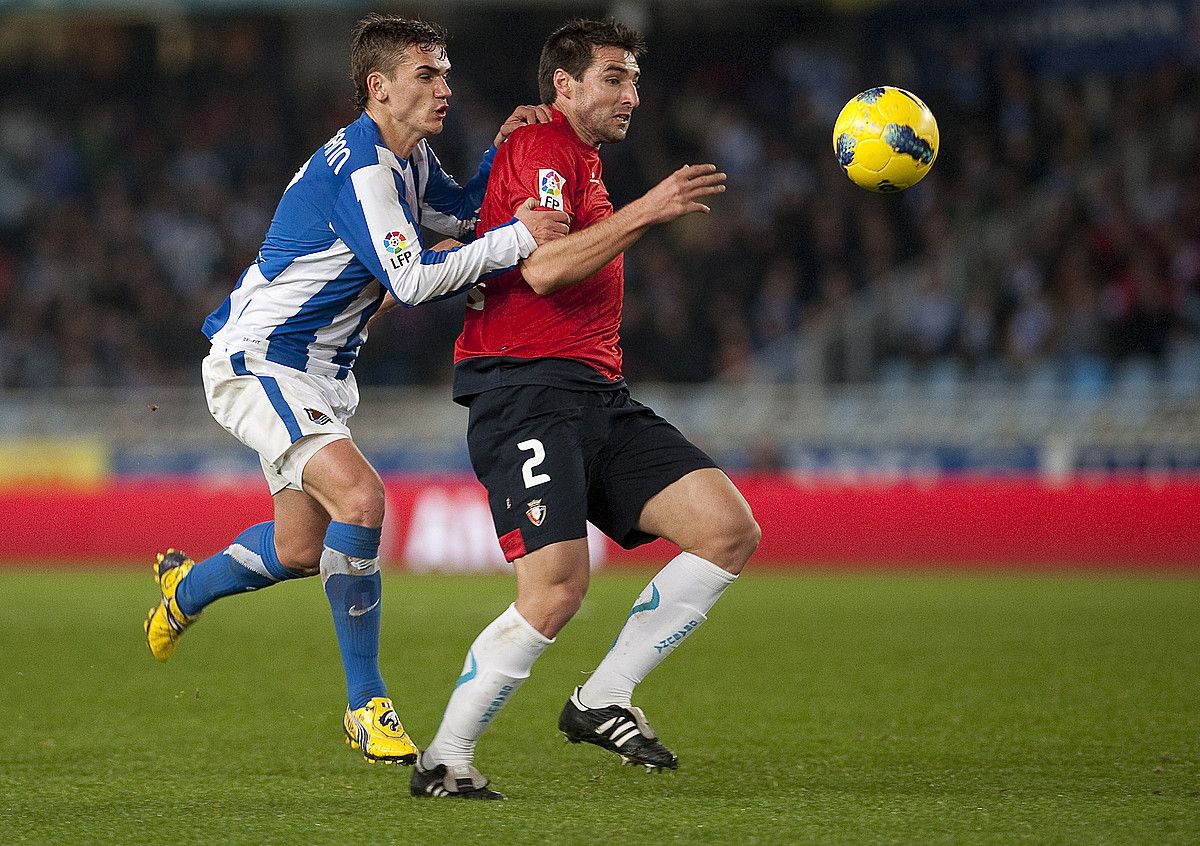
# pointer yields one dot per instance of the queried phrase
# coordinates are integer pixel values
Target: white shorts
(283, 414)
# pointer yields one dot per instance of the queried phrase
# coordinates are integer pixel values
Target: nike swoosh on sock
(355, 611)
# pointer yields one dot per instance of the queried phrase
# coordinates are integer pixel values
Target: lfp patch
(401, 249)
(394, 242)
(550, 186)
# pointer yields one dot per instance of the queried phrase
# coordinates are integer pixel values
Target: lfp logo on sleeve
(550, 186)
(397, 244)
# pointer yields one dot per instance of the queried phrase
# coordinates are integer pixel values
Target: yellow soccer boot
(165, 622)
(376, 730)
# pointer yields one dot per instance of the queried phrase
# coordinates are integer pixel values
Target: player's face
(419, 91)
(604, 99)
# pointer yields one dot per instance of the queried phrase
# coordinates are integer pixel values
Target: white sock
(667, 611)
(498, 662)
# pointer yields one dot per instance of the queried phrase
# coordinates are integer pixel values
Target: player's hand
(521, 116)
(680, 193)
(544, 224)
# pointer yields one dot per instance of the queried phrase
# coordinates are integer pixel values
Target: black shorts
(553, 459)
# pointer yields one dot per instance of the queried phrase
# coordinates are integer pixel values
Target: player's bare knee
(301, 556)
(562, 600)
(362, 504)
(730, 541)
(304, 570)
(552, 606)
(748, 539)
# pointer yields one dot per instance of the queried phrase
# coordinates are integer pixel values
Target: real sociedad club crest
(536, 512)
(318, 417)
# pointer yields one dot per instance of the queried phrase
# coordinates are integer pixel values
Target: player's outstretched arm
(440, 273)
(544, 225)
(574, 258)
(374, 221)
(389, 302)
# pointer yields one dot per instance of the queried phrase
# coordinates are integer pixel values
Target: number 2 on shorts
(539, 455)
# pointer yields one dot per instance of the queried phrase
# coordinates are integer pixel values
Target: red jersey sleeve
(548, 172)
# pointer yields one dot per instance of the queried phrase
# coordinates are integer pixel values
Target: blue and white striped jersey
(349, 221)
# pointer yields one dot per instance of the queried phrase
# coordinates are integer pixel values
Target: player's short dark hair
(572, 48)
(378, 42)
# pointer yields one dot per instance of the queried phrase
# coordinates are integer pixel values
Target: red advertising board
(442, 522)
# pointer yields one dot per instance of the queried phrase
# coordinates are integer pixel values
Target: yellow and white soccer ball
(886, 139)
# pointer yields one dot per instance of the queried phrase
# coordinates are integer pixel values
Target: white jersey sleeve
(372, 217)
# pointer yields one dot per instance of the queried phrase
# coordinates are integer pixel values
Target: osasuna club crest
(536, 512)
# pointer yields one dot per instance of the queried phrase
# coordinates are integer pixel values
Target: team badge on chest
(536, 512)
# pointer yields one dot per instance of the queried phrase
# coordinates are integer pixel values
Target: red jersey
(504, 317)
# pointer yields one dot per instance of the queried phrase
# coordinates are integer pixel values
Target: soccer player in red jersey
(555, 437)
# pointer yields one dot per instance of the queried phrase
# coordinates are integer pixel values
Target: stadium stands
(1047, 271)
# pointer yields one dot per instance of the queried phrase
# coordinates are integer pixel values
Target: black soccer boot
(624, 731)
(460, 781)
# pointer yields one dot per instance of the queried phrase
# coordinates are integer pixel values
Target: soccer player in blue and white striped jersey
(279, 376)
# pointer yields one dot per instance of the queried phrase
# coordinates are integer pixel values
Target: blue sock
(350, 570)
(249, 563)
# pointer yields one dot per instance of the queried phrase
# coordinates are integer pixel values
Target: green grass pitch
(876, 708)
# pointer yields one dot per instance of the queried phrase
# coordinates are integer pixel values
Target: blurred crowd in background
(1057, 237)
